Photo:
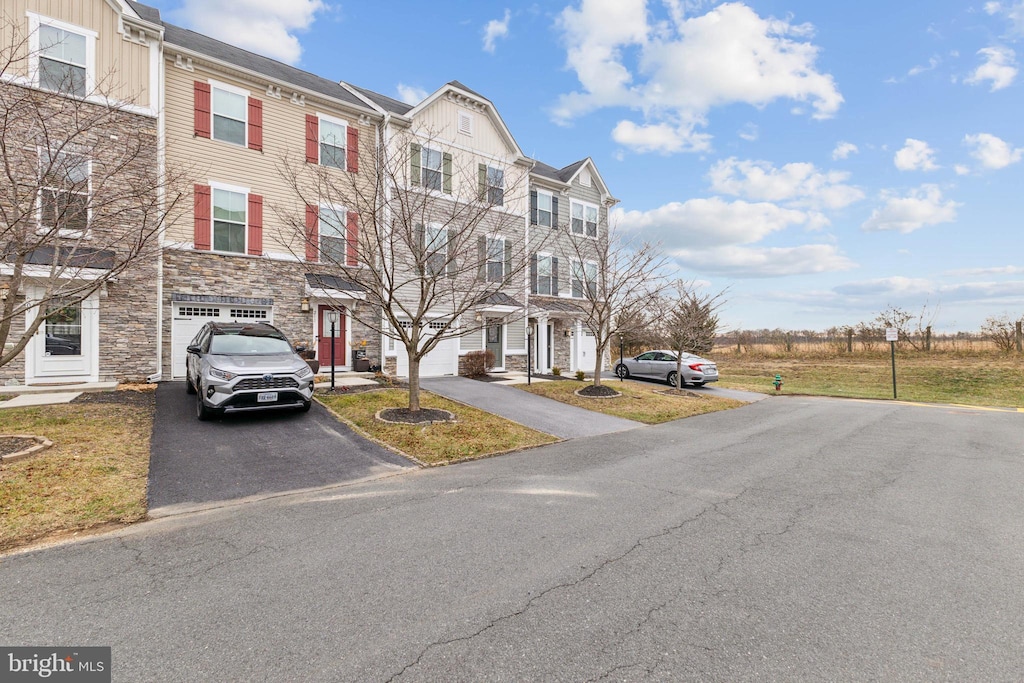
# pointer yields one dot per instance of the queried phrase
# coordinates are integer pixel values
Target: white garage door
(190, 316)
(443, 360)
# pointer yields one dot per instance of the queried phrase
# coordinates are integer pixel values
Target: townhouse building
(568, 216)
(81, 95)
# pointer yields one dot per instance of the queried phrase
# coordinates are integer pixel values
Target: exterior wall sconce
(304, 304)
(568, 332)
(4, 291)
(479, 317)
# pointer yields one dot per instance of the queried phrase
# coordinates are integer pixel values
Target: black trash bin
(360, 363)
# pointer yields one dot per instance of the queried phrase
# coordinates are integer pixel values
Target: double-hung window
(545, 213)
(435, 248)
(495, 259)
(332, 143)
(229, 110)
(64, 197)
(229, 220)
(333, 235)
(63, 54)
(584, 219)
(545, 273)
(431, 169)
(584, 279)
(495, 186)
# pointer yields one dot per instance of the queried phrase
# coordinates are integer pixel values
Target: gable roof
(461, 92)
(145, 12)
(388, 104)
(565, 175)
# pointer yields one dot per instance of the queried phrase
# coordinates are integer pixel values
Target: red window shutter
(312, 233)
(352, 239)
(255, 124)
(352, 153)
(201, 92)
(312, 139)
(255, 240)
(201, 239)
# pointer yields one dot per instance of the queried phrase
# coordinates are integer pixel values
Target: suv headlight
(222, 374)
(304, 371)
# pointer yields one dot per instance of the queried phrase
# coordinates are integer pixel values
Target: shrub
(579, 375)
(556, 371)
(477, 363)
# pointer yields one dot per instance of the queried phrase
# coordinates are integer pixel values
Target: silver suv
(234, 367)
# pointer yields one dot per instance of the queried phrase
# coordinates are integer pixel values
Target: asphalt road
(791, 539)
(196, 464)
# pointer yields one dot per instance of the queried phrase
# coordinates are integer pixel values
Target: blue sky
(822, 160)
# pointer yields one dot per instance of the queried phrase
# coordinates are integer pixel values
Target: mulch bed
(422, 416)
(13, 444)
(126, 397)
(598, 392)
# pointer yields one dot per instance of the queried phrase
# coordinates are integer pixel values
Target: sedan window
(650, 355)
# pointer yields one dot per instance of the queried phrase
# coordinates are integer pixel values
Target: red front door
(323, 346)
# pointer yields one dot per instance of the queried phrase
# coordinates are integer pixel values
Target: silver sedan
(663, 364)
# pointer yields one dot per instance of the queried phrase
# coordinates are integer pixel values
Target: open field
(988, 379)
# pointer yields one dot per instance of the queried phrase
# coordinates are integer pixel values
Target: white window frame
(37, 20)
(584, 206)
(423, 169)
(553, 219)
(214, 186)
(550, 276)
(234, 90)
(321, 118)
(578, 267)
(342, 213)
(488, 261)
(72, 233)
(501, 187)
(429, 250)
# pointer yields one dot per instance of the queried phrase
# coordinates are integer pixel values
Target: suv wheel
(189, 387)
(202, 412)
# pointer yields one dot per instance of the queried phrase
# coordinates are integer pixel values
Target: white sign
(892, 334)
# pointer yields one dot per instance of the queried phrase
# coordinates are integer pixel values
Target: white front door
(66, 346)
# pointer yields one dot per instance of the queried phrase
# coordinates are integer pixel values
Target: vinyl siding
(122, 66)
(516, 331)
(284, 131)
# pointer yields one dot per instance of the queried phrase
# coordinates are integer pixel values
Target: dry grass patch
(640, 402)
(990, 380)
(475, 434)
(94, 475)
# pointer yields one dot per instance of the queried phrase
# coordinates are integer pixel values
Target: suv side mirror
(193, 348)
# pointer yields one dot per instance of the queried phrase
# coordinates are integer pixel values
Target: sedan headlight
(304, 371)
(222, 374)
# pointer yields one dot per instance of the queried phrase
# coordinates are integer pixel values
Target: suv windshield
(245, 345)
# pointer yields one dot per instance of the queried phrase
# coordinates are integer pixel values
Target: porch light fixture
(304, 304)
(479, 317)
(4, 291)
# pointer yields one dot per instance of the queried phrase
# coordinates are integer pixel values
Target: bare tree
(689, 320)
(912, 329)
(83, 198)
(431, 246)
(1001, 331)
(615, 281)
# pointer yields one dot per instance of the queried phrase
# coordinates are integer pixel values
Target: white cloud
(661, 137)
(993, 270)
(267, 27)
(900, 290)
(1013, 12)
(410, 94)
(494, 29)
(844, 150)
(1000, 68)
(917, 70)
(890, 286)
(916, 155)
(800, 184)
(961, 169)
(923, 206)
(765, 262)
(749, 132)
(684, 67)
(993, 152)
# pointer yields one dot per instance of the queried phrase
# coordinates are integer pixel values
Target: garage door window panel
(229, 221)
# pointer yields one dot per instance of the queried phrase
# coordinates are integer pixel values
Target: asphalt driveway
(193, 463)
(537, 412)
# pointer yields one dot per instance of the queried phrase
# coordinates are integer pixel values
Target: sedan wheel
(672, 379)
(622, 371)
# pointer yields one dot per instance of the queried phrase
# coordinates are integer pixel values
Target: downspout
(162, 204)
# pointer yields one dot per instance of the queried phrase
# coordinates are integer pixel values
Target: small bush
(477, 363)
(579, 375)
(556, 371)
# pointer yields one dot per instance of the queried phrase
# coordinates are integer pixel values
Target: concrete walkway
(536, 412)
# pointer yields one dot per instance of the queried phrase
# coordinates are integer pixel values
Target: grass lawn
(639, 401)
(475, 433)
(95, 473)
(990, 380)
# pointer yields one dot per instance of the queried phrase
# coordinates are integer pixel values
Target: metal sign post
(620, 356)
(332, 316)
(529, 356)
(891, 335)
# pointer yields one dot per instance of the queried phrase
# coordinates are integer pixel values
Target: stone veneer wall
(195, 272)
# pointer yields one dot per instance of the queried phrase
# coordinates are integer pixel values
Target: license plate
(710, 371)
(266, 397)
